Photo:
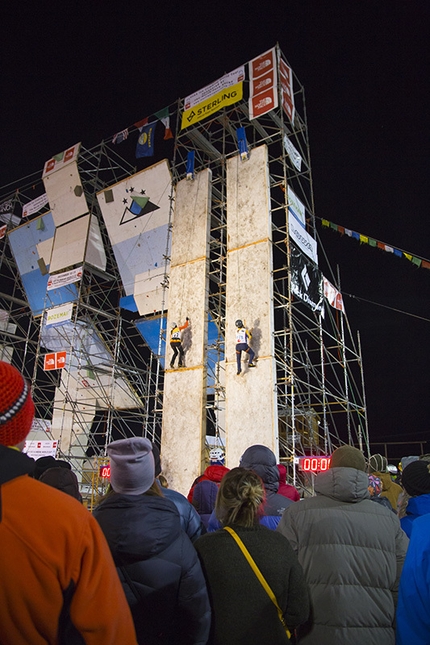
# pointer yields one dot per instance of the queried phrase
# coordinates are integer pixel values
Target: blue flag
(145, 142)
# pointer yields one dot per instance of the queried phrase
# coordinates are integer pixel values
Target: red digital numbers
(314, 464)
(105, 472)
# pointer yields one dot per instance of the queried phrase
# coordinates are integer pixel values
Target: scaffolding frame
(319, 369)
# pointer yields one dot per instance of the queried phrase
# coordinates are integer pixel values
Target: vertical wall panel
(251, 414)
(185, 389)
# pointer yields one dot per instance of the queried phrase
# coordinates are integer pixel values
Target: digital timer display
(104, 472)
(314, 464)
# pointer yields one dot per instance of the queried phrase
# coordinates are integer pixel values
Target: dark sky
(82, 75)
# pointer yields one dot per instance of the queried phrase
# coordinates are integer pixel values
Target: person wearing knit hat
(378, 466)
(348, 457)
(156, 561)
(16, 406)
(132, 465)
(416, 482)
(351, 551)
(77, 579)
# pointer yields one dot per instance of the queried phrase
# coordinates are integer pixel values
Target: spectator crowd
(244, 558)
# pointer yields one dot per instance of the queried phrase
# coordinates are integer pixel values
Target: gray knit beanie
(131, 465)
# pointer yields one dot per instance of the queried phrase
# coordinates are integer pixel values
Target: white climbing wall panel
(185, 389)
(251, 413)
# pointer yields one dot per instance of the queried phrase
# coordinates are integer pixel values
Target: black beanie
(416, 478)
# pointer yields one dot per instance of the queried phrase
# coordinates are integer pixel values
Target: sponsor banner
(3, 231)
(263, 83)
(60, 160)
(296, 207)
(36, 449)
(6, 207)
(262, 64)
(306, 280)
(333, 296)
(293, 153)
(41, 425)
(263, 95)
(59, 315)
(35, 205)
(62, 279)
(263, 103)
(225, 91)
(226, 81)
(286, 81)
(54, 361)
(302, 238)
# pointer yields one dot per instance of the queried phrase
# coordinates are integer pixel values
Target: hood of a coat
(343, 484)
(282, 473)
(386, 480)
(262, 461)
(137, 527)
(14, 463)
(419, 505)
(215, 473)
(204, 496)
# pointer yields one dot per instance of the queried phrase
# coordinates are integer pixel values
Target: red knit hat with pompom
(16, 406)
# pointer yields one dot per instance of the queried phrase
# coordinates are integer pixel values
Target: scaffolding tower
(113, 383)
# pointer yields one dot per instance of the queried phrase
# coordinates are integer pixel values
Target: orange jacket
(58, 582)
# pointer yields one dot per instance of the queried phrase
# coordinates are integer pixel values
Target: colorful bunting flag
(119, 137)
(364, 239)
(164, 117)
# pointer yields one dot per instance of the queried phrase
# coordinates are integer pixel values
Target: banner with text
(63, 279)
(227, 90)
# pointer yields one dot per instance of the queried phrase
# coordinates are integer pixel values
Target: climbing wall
(251, 413)
(184, 398)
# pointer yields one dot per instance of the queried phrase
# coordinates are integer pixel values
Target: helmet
(239, 323)
(216, 455)
(174, 325)
(392, 469)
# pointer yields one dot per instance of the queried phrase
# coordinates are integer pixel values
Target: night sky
(84, 75)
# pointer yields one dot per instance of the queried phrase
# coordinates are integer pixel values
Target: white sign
(293, 153)
(59, 315)
(296, 207)
(62, 279)
(60, 160)
(38, 449)
(236, 76)
(302, 238)
(35, 205)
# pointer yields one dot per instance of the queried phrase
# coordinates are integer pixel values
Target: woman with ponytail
(242, 609)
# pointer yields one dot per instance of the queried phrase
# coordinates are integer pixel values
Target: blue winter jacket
(416, 507)
(413, 615)
(190, 519)
(158, 567)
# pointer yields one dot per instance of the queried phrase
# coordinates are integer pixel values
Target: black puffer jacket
(158, 567)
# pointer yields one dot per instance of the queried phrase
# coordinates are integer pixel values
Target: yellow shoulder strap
(259, 575)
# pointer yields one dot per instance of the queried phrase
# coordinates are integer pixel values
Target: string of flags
(365, 239)
(145, 141)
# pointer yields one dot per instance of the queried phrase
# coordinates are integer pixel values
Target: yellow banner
(211, 105)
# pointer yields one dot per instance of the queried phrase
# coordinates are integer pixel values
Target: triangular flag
(141, 123)
(164, 117)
